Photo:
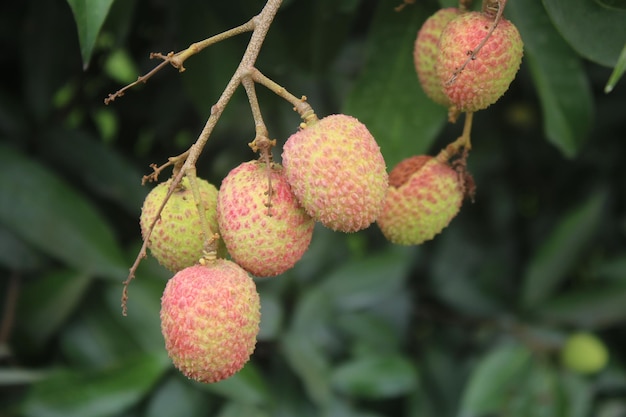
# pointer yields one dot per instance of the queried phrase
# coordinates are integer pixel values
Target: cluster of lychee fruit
(261, 220)
(466, 60)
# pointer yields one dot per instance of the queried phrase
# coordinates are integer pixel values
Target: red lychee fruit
(265, 240)
(426, 51)
(177, 240)
(488, 73)
(424, 195)
(210, 318)
(337, 172)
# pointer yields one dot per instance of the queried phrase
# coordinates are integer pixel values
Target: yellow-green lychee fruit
(426, 51)
(337, 172)
(584, 353)
(266, 234)
(210, 318)
(177, 240)
(486, 76)
(424, 195)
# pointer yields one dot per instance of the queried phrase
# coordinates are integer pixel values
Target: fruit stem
(259, 25)
(474, 53)
(177, 59)
(300, 105)
(462, 143)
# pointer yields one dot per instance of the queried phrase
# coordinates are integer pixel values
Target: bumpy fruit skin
(177, 240)
(424, 196)
(264, 241)
(210, 318)
(487, 77)
(337, 172)
(426, 51)
(584, 353)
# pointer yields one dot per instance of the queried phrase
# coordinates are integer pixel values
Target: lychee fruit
(337, 172)
(584, 352)
(210, 318)
(177, 240)
(424, 195)
(474, 78)
(265, 232)
(426, 51)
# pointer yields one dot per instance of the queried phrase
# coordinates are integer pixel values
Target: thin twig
(300, 105)
(474, 53)
(177, 59)
(261, 24)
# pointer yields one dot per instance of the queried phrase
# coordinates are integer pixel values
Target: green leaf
(588, 308)
(362, 284)
(375, 377)
(595, 32)
(309, 363)
(11, 377)
(492, 381)
(246, 386)
(15, 254)
(387, 98)
(43, 210)
(272, 316)
(618, 72)
(233, 409)
(559, 77)
(69, 393)
(177, 396)
(96, 340)
(46, 302)
(561, 250)
(89, 16)
(103, 170)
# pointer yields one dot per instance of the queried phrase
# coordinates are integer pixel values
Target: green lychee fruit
(210, 318)
(426, 51)
(487, 76)
(264, 240)
(337, 172)
(424, 195)
(584, 353)
(177, 240)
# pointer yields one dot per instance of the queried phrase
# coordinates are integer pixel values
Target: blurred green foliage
(469, 324)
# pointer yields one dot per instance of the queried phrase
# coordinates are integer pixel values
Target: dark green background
(469, 324)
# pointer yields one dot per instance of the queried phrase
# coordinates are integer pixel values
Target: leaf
(233, 409)
(11, 377)
(15, 254)
(618, 72)
(594, 31)
(70, 393)
(103, 170)
(46, 302)
(387, 97)
(587, 308)
(561, 250)
(375, 377)
(89, 16)
(495, 376)
(177, 396)
(558, 75)
(48, 214)
(246, 387)
(309, 363)
(362, 284)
